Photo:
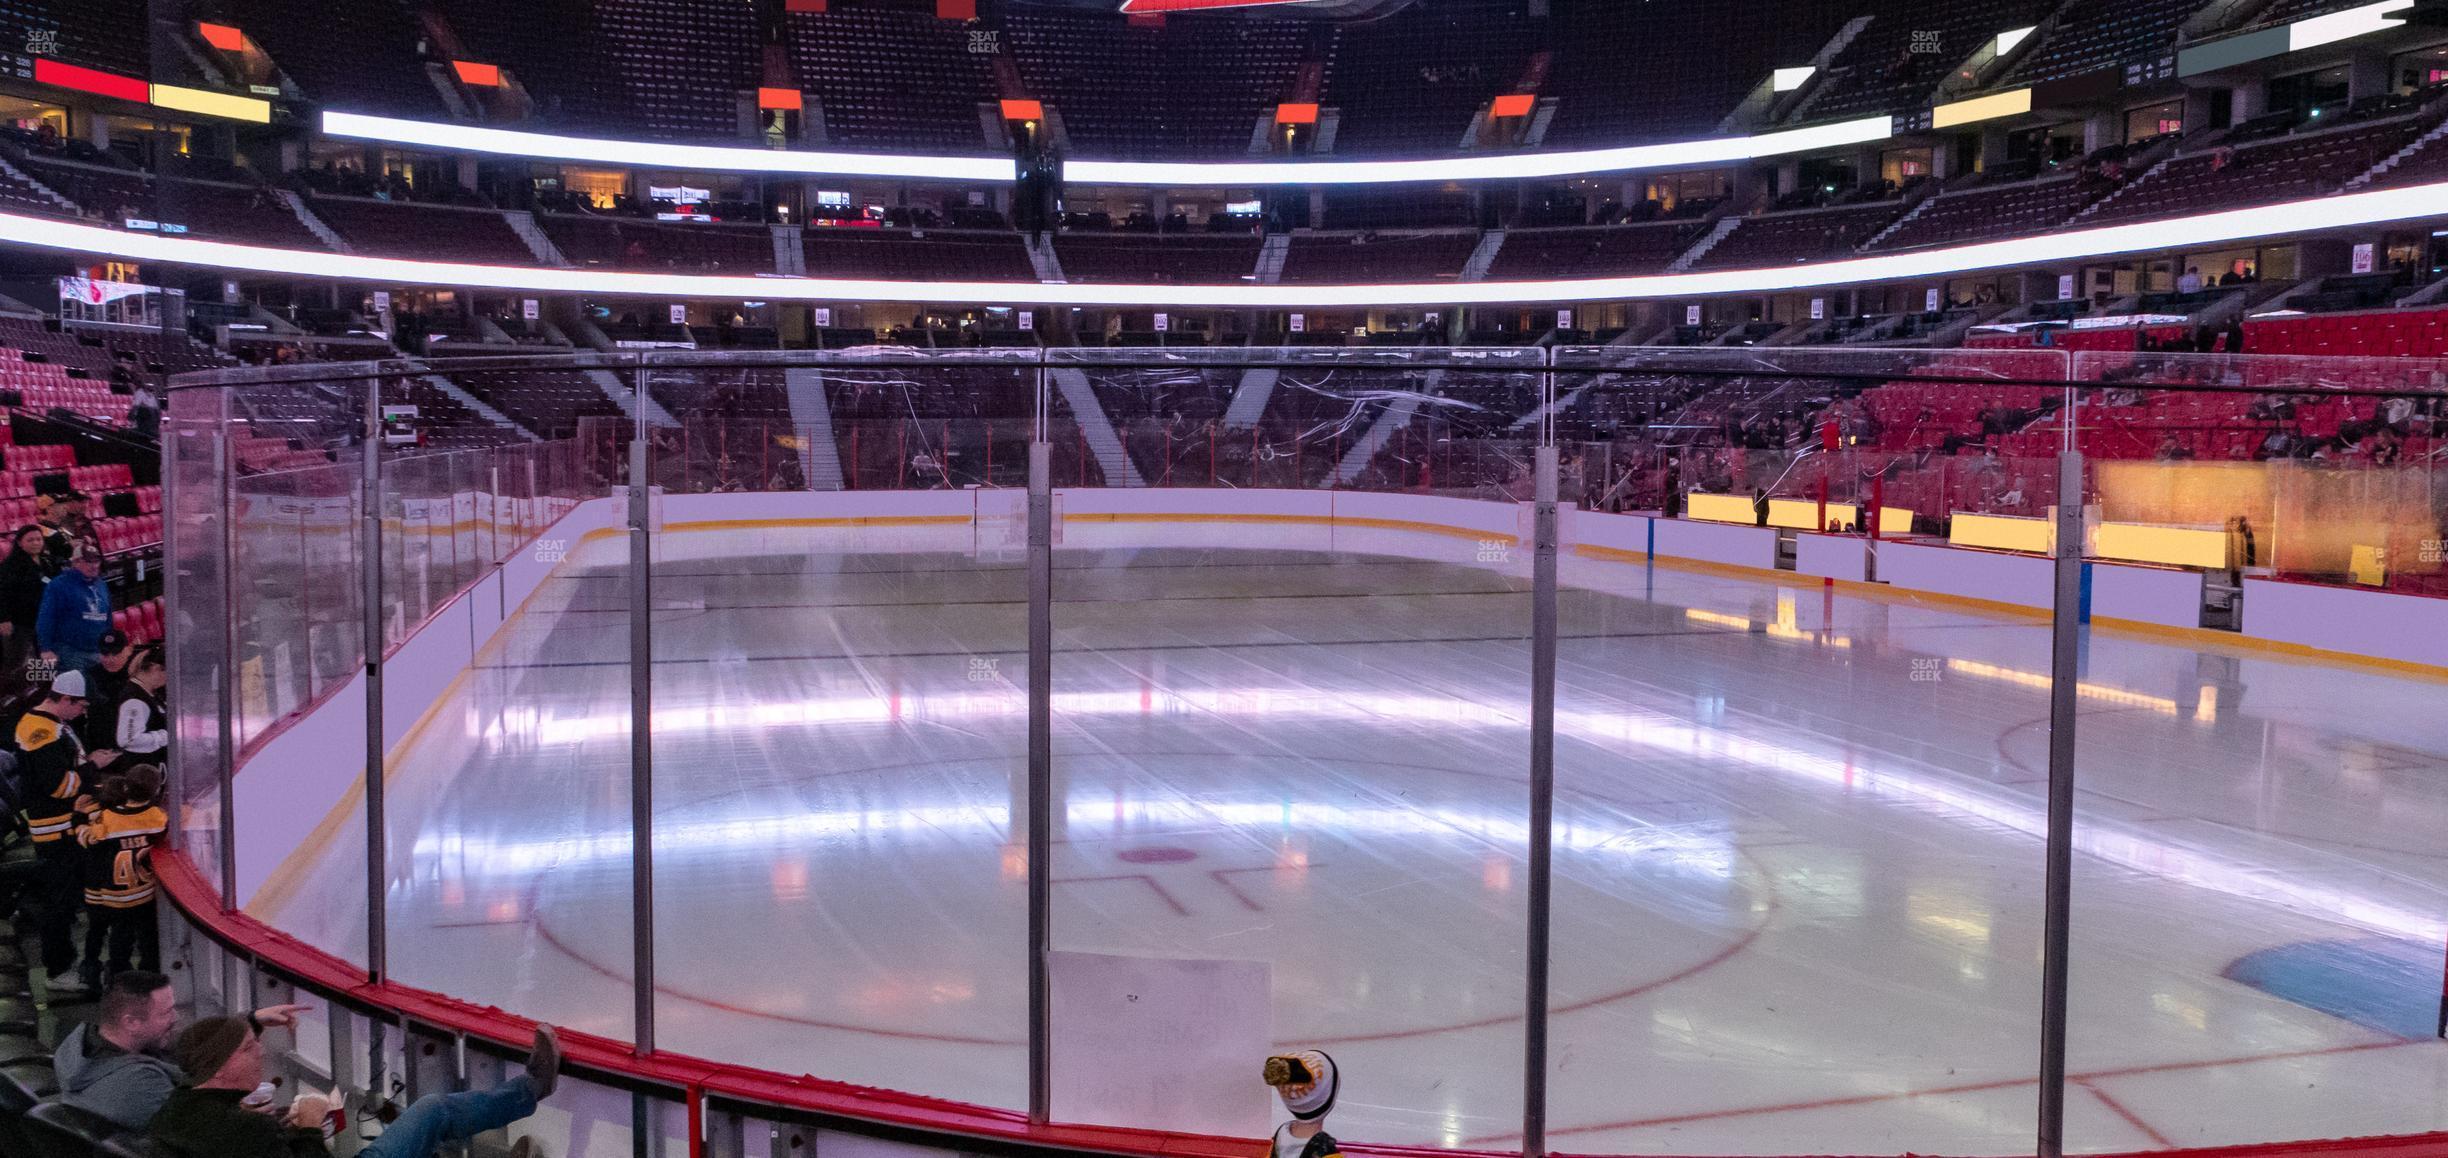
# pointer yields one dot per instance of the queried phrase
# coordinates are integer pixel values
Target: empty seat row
(1316, 258)
(136, 533)
(107, 477)
(141, 623)
(30, 459)
(2289, 168)
(2401, 333)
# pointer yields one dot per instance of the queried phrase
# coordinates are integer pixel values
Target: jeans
(437, 1119)
(75, 661)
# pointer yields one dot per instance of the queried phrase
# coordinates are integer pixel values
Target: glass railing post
(641, 731)
(2065, 642)
(1040, 769)
(1542, 802)
(225, 693)
(370, 497)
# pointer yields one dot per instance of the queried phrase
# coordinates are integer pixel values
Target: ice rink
(1798, 854)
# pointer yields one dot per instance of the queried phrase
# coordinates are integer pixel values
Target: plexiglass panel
(1291, 753)
(840, 677)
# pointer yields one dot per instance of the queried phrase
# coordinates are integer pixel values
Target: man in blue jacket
(76, 610)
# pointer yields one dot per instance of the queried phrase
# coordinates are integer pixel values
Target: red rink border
(935, 1122)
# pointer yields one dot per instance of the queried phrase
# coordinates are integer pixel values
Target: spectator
(2242, 552)
(118, 834)
(144, 412)
(113, 1066)
(226, 1061)
(2191, 282)
(105, 682)
(75, 615)
(52, 770)
(22, 576)
(69, 509)
(118, 1065)
(143, 727)
(59, 543)
(2384, 447)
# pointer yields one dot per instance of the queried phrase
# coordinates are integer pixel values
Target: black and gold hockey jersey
(119, 854)
(49, 759)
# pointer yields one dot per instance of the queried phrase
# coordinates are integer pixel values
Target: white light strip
(1493, 167)
(657, 155)
(2343, 211)
(2346, 25)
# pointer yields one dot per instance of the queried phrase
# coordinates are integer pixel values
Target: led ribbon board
(2339, 212)
(1143, 7)
(658, 155)
(1487, 167)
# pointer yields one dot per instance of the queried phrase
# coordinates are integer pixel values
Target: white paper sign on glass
(1158, 1042)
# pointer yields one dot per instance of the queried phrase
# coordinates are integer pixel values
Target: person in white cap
(1307, 1082)
(52, 770)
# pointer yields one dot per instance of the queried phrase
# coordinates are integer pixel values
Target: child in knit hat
(1307, 1082)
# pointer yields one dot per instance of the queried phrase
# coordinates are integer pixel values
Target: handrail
(336, 979)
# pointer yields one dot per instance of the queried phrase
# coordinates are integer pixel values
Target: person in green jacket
(212, 1118)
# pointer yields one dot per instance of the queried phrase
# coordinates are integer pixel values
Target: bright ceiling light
(2344, 211)
(1490, 167)
(657, 155)
(2347, 25)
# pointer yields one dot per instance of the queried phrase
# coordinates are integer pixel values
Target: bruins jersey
(118, 854)
(48, 768)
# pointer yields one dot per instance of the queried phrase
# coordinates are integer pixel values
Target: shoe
(544, 1061)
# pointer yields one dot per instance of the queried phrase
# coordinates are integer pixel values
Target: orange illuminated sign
(778, 98)
(222, 36)
(1023, 110)
(1296, 114)
(1512, 105)
(476, 75)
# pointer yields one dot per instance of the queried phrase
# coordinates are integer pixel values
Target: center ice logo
(1925, 671)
